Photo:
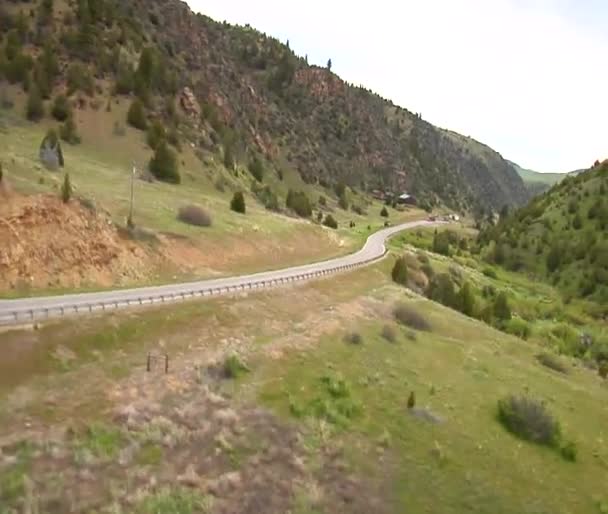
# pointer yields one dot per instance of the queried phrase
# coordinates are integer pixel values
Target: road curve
(27, 310)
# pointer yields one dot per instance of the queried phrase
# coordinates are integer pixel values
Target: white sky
(527, 77)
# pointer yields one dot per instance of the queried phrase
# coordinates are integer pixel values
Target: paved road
(26, 310)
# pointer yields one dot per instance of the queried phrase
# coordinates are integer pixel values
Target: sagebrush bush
(194, 215)
(529, 419)
(408, 317)
(552, 361)
(389, 333)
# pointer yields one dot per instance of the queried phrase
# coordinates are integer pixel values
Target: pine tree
(329, 64)
(66, 189)
(501, 309)
(384, 212)
(163, 164)
(35, 107)
(400, 271)
(136, 117)
(69, 132)
(466, 300)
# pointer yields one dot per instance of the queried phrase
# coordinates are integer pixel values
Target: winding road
(29, 310)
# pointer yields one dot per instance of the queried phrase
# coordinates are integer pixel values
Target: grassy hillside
(233, 94)
(536, 182)
(560, 236)
(297, 400)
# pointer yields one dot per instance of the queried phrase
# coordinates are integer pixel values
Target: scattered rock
(226, 417)
(426, 415)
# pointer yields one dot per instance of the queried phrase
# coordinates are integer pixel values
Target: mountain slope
(561, 235)
(537, 182)
(255, 96)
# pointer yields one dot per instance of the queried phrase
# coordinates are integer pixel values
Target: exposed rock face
(189, 103)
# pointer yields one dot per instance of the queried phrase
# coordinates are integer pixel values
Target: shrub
(399, 272)
(61, 108)
(136, 117)
(389, 333)
(441, 289)
(34, 110)
(529, 419)
(320, 216)
(298, 202)
(603, 369)
(66, 189)
(194, 215)
(384, 212)
(330, 222)
(569, 451)
(408, 317)
(343, 201)
(353, 338)
(79, 78)
(164, 166)
(518, 327)
(490, 273)
(552, 361)
(68, 131)
(466, 300)
(237, 204)
(322, 201)
(234, 367)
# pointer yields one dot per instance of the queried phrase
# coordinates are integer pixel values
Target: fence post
(148, 363)
(166, 363)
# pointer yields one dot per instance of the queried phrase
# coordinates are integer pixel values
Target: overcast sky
(527, 77)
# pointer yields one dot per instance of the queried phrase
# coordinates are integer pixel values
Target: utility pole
(130, 218)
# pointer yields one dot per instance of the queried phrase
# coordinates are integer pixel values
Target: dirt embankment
(47, 244)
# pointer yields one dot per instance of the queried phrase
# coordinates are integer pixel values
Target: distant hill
(561, 235)
(537, 182)
(242, 93)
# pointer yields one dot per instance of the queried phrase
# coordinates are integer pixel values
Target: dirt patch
(47, 244)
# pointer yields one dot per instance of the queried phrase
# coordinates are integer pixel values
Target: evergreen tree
(35, 107)
(136, 117)
(330, 221)
(156, 135)
(554, 258)
(228, 155)
(66, 189)
(256, 168)
(163, 164)
(384, 212)
(238, 203)
(329, 64)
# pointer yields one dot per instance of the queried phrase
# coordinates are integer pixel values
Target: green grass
(99, 440)
(174, 501)
(458, 371)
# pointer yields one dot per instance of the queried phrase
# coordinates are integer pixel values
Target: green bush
(136, 117)
(68, 131)
(79, 78)
(234, 367)
(441, 289)
(322, 201)
(603, 369)
(466, 300)
(490, 273)
(298, 202)
(569, 451)
(552, 361)
(330, 222)
(408, 317)
(529, 419)
(502, 310)
(518, 327)
(384, 212)
(343, 201)
(399, 273)
(237, 203)
(61, 108)
(164, 166)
